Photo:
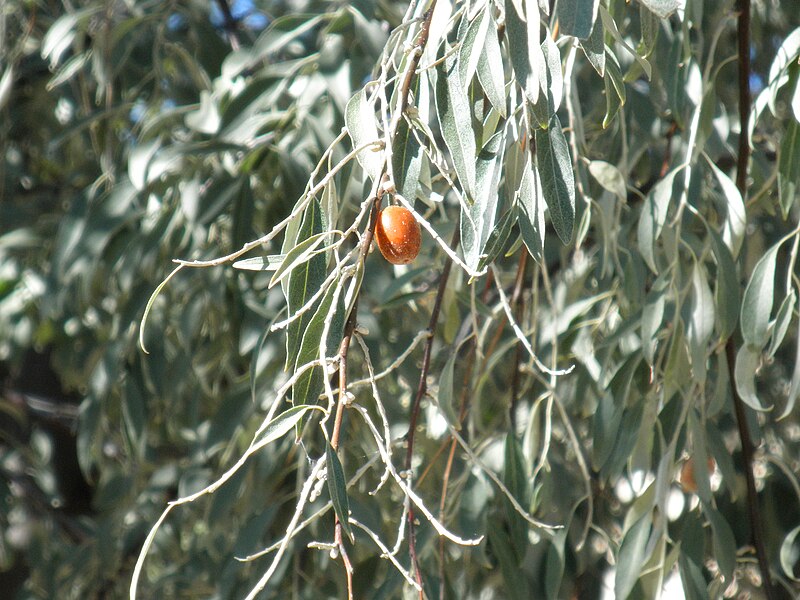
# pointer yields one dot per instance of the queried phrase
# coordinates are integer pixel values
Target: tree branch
(743, 159)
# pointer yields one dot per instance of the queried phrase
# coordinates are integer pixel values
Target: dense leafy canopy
(544, 404)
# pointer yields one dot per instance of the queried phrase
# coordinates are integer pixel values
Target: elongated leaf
(471, 46)
(652, 316)
(690, 561)
(727, 290)
(490, 68)
(304, 281)
(594, 47)
(614, 89)
(653, 217)
(455, 119)
(260, 263)
(789, 167)
(610, 177)
(736, 219)
(530, 204)
(279, 427)
(525, 69)
(558, 182)
(517, 585)
(781, 325)
(516, 480)
(747, 361)
(757, 300)
(337, 488)
(632, 557)
(478, 224)
(794, 387)
(789, 555)
(298, 255)
(662, 8)
(701, 322)
(724, 542)
(309, 385)
(577, 17)
(498, 238)
(359, 118)
(611, 27)
(406, 161)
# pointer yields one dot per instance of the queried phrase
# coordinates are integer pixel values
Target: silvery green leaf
(558, 183)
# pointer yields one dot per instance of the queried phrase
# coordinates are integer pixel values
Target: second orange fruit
(398, 235)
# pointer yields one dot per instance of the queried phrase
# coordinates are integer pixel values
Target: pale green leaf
(359, 118)
(556, 172)
(609, 177)
(758, 298)
(455, 119)
(631, 558)
(747, 363)
(337, 488)
(577, 17)
(491, 73)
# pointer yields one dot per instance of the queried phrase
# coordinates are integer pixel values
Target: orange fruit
(687, 478)
(398, 235)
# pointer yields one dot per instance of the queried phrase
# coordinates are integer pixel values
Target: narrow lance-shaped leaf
(304, 281)
(653, 217)
(781, 325)
(788, 554)
(594, 47)
(558, 182)
(632, 557)
(519, 51)
(727, 293)
(455, 119)
(577, 17)
(478, 225)
(530, 204)
(490, 68)
(359, 118)
(551, 80)
(701, 322)
(406, 161)
(614, 89)
(757, 300)
(337, 488)
(471, 47)
(310, 383)
(736, 219)
(747, 361)
(724, 542)
(789, 166)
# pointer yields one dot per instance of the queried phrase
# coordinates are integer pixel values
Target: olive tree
(583, 384)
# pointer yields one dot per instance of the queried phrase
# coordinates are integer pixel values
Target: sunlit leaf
(558, 183)
(577, 17)
(456, 122)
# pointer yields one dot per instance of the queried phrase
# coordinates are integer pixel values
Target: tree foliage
(586, 380)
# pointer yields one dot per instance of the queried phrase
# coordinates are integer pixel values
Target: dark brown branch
(229, 23)
(743, 159)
